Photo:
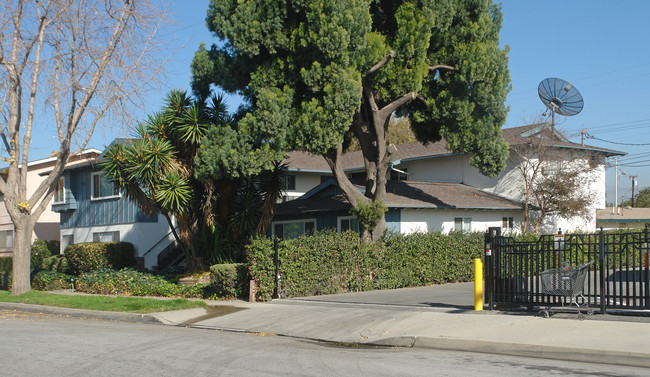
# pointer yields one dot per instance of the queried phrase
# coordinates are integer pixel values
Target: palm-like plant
(158, 171)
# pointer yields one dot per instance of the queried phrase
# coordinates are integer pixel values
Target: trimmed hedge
(229, 280)
(6, 264)
(5, 280)
(328, 262)
(86, 257)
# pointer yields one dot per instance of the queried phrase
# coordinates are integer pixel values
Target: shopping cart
(566, 282)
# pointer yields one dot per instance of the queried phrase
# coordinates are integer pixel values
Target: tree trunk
(23, 229)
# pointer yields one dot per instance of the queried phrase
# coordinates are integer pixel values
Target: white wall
(509, 184)
(305, 181)
(432, 220)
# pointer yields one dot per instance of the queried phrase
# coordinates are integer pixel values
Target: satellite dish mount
(560, 97)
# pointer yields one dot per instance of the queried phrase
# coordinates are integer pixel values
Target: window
(401, 175)
(289, 182)
(348, 223)
(507, 223)
(106, 237)
(101, 188)
(293, 229)
(6, 239)
(59, 194)
(463, 224)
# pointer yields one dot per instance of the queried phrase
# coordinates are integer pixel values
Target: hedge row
(328, 262)
(86, 257)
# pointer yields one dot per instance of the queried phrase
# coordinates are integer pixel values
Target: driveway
(457, 295)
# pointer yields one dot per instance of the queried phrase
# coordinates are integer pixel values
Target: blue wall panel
(98, 212)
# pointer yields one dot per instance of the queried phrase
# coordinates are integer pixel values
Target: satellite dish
(560, 97)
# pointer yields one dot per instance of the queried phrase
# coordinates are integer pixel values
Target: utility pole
(633, 177)
(616, 189)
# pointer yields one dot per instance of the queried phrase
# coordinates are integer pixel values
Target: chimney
(584, 132)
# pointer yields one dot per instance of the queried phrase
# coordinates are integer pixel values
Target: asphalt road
(47, 345)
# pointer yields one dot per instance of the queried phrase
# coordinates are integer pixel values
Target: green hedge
(6, 264)
(328, 262)
(86, 257)
(5, 280)
(229, 280)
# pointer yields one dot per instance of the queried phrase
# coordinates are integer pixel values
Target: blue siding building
(93, 210)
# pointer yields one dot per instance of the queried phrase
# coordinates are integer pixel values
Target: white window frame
(60, 192)
(464, 221)
(92, 187)
(113, 235)
(303, 221)
(339, 220)
(9, 235)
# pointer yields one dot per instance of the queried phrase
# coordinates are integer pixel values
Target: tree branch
(441, 66)
(381, 63)
(393, 106)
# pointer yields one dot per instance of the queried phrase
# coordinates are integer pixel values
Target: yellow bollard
(478, 284)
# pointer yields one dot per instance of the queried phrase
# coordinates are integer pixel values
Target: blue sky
(599, 46)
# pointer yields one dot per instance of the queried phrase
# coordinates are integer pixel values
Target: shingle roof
(623, 215)
(408, 194)
(303, 161)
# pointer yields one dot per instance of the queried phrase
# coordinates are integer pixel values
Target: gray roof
(623, 215)
(304, 161)
(408, 194)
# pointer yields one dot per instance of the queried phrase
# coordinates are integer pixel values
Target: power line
(614, 142)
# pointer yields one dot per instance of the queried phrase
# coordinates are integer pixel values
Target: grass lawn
(96, 302)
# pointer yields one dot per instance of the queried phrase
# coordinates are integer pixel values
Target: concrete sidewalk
(600, 339)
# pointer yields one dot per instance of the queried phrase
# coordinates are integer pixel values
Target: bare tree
(73, 64)
(555, 180)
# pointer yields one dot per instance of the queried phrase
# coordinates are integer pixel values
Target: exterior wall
(434, 220)
(305, 181)
(509, 184)
(148, 238)
(5, 225)
(624, 224)
(99, 212)
(82, 216)
(47, 226)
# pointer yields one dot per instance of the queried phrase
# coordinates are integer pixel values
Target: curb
(83, 313)
(636, 359)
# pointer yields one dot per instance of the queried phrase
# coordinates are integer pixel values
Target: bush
(6, 264)
(125, 282)
(51, 280)
(86, 257)
(39, 253)
(229, 280)
(329, 262)
(57, 263)
(5, 280)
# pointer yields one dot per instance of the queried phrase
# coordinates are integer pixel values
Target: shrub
(86, 257)
(328, 262)
(51, 280)
(6, 264)
(229, 280)
(39, 253)
(125, 282)
(57, 263)
(5, 280)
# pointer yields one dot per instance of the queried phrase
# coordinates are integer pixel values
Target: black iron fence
(619, 278)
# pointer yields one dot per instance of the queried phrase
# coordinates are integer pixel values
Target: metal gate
(619, 278)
